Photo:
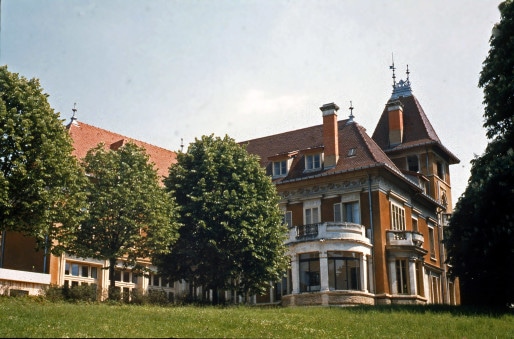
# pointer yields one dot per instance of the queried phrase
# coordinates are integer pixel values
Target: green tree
(131, 215)
(480, 237)
(232, 235)
(41, 183)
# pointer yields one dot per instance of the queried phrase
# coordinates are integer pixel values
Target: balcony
(328, 230)
(404, 238)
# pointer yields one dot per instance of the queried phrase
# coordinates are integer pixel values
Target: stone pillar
(392, 276)
(323, 271)
(295, 274)
(364, 273)
(370, 275)
(412, 276)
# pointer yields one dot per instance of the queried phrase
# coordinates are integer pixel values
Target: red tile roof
(351, 136)
(87, 136)
(417, 129)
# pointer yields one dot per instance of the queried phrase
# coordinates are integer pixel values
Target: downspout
(45, 258)
(428, 172)
(3, 249)
(371, 235)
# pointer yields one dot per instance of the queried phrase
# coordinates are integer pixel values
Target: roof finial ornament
(408, 81)
(350, 120)
(74, 117)
(393, 68)
(181, 144)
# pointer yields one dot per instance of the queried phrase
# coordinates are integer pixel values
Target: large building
(365, 214)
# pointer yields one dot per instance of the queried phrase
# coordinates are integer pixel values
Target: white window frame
(313, 161)
(280, 168)
(311, 212)
(341, 213)
(288, 218)
(397, 217)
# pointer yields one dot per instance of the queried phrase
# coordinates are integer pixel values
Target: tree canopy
(480, 237)
(232, 235)
(41, 183)
(131, 215)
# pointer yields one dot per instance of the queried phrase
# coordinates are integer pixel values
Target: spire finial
(393, 68)
(74, 117)
(350, 120)
(181, 144)
(408, 81)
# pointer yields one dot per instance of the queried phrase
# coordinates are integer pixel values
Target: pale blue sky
(159, 71)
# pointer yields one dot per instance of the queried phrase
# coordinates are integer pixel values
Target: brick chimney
(395, 117)
(330, 134)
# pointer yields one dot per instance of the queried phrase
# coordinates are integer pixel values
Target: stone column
(370, 275)
(364, 274)
(412, 276)
(323, 271)
(295, 274)
(392, 276)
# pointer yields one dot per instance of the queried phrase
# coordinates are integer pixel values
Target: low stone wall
(347, 298)
(329, 298)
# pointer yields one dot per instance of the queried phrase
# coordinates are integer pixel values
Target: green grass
(26, 317)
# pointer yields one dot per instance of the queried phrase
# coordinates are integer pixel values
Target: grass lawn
(27, 317)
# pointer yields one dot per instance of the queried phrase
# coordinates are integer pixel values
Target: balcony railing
(328, 230)
(404, 238)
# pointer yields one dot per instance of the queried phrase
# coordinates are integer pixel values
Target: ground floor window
(435, 289)
(309, 272)
(343, 271)
(402, 276)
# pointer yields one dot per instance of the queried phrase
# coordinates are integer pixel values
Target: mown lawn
(26, 317)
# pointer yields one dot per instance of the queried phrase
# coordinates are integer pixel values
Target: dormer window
(312, 162)
(280, 168)
(281, 163)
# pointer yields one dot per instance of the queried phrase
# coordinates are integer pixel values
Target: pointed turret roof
(417, 129)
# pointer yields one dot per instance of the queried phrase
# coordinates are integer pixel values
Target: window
(280, 168)
(351, 152)
(348, 212)
(78, 270)
(431, 237)
(397, 217)
(434, 290)
(288, 218)
(413, 163)
(311, 215)
(415, 225)
(343, 271)
(75, 269)
(309, 272)
(338, 212)
(402, 277)
(312, 162)
(155, 280)
(84, 270)
(440, 170)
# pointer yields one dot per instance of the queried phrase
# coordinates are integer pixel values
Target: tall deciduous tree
(481, 234)
(232, 235)
(131, 215)
(41, 183)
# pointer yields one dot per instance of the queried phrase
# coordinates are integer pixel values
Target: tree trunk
(112, 295)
